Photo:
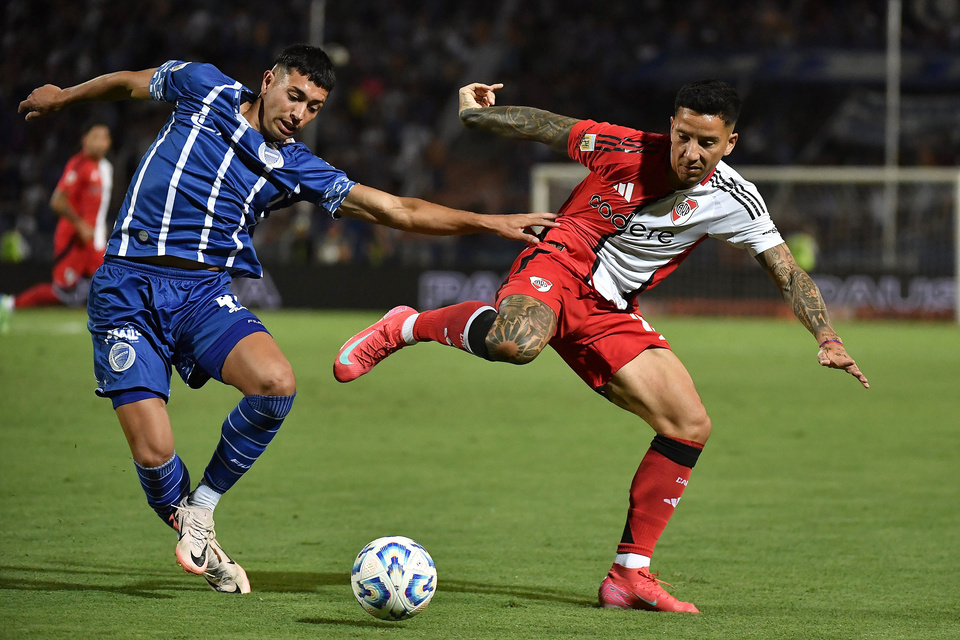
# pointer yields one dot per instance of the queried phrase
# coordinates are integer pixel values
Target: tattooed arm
(799, 289)
(520, 123)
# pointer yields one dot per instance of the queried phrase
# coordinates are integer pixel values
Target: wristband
(831, 340)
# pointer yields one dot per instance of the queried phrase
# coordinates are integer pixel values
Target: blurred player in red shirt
(80, 200)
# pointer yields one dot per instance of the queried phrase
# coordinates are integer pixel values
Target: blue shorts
(145, 319)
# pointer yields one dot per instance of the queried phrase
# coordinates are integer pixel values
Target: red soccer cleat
(363, 351)
(625, 588)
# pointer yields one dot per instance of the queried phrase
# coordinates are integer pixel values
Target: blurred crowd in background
(811, 73)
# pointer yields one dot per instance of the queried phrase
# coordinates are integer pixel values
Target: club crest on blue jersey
(121, 357)
(270, 156)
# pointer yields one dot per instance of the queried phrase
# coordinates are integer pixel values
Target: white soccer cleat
(223, 574)
(194, 525)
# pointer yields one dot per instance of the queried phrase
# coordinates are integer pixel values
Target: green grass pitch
(818, 509)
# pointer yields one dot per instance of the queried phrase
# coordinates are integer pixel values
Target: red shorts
(593, 336)
(74, 261)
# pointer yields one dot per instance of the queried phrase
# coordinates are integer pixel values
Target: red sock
(39, 295)
(449, 325)
(654, 494)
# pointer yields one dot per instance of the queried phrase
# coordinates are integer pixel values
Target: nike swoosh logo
(652, 604)
(345, 354)
(197, 561)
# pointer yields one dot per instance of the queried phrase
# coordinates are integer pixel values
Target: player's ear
(268, 78)
(731, 143)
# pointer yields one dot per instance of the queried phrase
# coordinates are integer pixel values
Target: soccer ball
(394, 578)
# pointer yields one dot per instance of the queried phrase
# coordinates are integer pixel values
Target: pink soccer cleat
(625, 588)
(363, 351)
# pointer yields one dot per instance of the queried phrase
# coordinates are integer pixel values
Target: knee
(698, 428)
(151, 455)
(275, 380)
(693, 425)
(513, 353)
(521, 330)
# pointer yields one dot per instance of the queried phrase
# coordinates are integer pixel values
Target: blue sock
(246, 433)
(165, 485)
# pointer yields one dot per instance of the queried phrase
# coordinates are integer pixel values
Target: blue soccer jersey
(210, 176)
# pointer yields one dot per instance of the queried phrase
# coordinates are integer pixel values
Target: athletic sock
(245, 434)
(655, 492)
(632, 560)
(39, 295)
(165, 485)
(205, 496)
(463, 326)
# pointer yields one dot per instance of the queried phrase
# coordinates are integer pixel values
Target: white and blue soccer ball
(394, 578)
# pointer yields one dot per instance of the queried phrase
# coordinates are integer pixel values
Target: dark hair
(90, 124)
(710, 97)
(310, 61)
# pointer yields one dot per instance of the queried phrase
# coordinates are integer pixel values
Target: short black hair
(710, 97)
(311, 61)
(91, 123)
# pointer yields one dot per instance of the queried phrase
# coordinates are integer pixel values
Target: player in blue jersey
(224, 159)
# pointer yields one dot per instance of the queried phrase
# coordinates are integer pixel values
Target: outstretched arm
(799, 289)
(520, 123)
(106, 88)
(413, 214)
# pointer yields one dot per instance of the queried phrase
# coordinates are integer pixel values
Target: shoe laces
(652, 577)
(381, 351)
(197, 529)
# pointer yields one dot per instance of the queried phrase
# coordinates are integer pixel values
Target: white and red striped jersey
(87, 183)
(624, 229)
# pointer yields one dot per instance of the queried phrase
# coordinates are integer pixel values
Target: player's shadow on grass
(152, 583)
(310, 581)
(297, 581)
(542, 594)
(24, 578)
(306, 582)
(370, 622)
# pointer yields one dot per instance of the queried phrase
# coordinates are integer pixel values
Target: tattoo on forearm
(798, 289)
(523, 328)
(523, 123)
(808, 304)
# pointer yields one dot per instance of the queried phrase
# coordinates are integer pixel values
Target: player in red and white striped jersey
(648, 201)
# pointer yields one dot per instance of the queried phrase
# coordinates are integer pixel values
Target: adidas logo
(672, 501)
(625, 189)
